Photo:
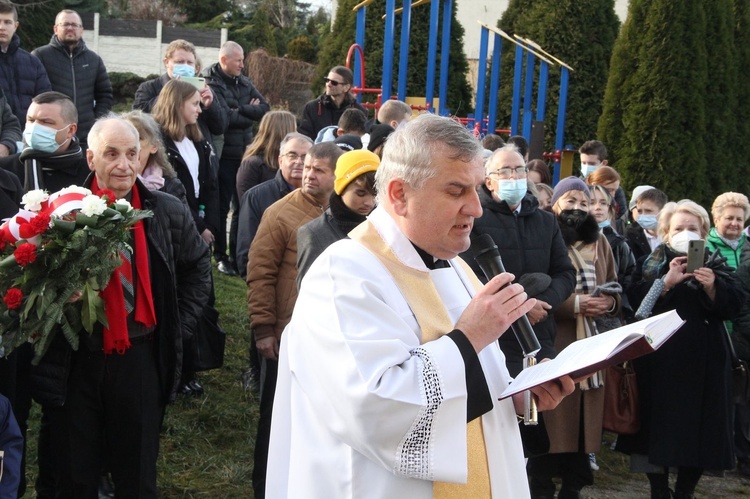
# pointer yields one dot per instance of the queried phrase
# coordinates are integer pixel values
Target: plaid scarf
(583, 257)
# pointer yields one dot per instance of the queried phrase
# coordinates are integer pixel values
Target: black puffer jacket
(322, 112)
(528, 242)
(22, 77)
(237, 93)
(10, 128)
(82, 76)
(212, 120)
(180, 282)
(209, 186)
(54, 170)
(252, 205)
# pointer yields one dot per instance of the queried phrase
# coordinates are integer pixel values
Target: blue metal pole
(497, 49)
(445, 46)
(541, 100)
(561, 108)
(390, 21)
(528, 95)
(359, 39)
(432, 54)
(481, 74)
(403, 60)
(517, 80)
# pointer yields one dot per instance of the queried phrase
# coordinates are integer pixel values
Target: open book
(586, 356)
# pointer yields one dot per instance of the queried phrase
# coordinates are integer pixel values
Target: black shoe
(226, 268)
(196, 388)
(106, 489)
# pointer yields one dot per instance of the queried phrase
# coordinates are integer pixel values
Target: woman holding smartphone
(685, 386)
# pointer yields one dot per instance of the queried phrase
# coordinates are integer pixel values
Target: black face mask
(573, 218)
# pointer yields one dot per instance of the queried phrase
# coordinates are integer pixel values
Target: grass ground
(207, 442)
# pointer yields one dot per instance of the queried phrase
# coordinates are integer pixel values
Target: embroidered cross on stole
(433, 319)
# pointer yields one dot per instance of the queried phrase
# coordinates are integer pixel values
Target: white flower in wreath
(93, 206)
(124, 202)
(32, 200)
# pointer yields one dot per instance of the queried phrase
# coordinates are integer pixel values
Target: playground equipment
(527, 52)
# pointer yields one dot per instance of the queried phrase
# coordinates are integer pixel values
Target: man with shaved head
(246, 106)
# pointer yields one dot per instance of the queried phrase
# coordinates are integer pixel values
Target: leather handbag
(740, 374)
(621, 405)
(209, 339)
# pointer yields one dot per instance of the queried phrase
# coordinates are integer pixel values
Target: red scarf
(116, 336)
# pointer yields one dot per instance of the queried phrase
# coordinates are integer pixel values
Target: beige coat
(564, 423)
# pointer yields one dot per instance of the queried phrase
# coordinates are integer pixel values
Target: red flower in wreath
(25, 254)
(110, 195)
(40, 223)
(13, 298)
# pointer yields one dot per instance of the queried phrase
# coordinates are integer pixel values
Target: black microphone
(487, 256)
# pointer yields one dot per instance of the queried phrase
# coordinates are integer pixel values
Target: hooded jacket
(22, 77)
(81, 75)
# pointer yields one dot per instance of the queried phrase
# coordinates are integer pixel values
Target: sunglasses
(334, 82)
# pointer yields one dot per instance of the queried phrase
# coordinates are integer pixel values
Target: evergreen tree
(720, 100)
(741, 137)
(581, 33)
(35, 20)
(337, 43)
(260, 33)
(661, 103)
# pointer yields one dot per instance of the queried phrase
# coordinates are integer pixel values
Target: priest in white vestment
(389, 371)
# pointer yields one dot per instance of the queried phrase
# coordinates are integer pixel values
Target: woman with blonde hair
(730, 211)
(155, 170)
(684, 387)
(261, 159)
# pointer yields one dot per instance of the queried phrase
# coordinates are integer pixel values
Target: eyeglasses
(293, 156)
(334, 82)
(507, 172)
(70, 25)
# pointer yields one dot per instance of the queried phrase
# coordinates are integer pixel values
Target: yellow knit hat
(351, 165)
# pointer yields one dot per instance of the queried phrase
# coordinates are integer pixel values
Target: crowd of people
(378, 353)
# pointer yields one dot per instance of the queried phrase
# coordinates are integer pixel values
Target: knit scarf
(583, 257)
(115, 337)
(344, 216)
(424, 301)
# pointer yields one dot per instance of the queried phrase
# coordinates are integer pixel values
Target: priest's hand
(492, 310)
(268, 347)
(548, 395)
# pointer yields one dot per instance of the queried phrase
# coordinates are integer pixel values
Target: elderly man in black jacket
(114, 401)
(246, 106)
(530, 242)
(76, 71)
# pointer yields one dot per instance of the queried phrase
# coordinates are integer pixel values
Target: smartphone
(696, 254)
(197, 82)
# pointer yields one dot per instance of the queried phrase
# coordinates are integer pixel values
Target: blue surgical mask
(648, 222)
(586, 169)
(42, 138)
(511, 191)
(185, 70)
(605, 223)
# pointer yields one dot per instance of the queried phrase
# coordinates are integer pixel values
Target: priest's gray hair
(413, 152)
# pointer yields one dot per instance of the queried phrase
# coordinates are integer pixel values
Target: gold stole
(425, 302)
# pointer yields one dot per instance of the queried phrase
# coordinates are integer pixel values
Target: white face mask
(586, 169)
(681, 241)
